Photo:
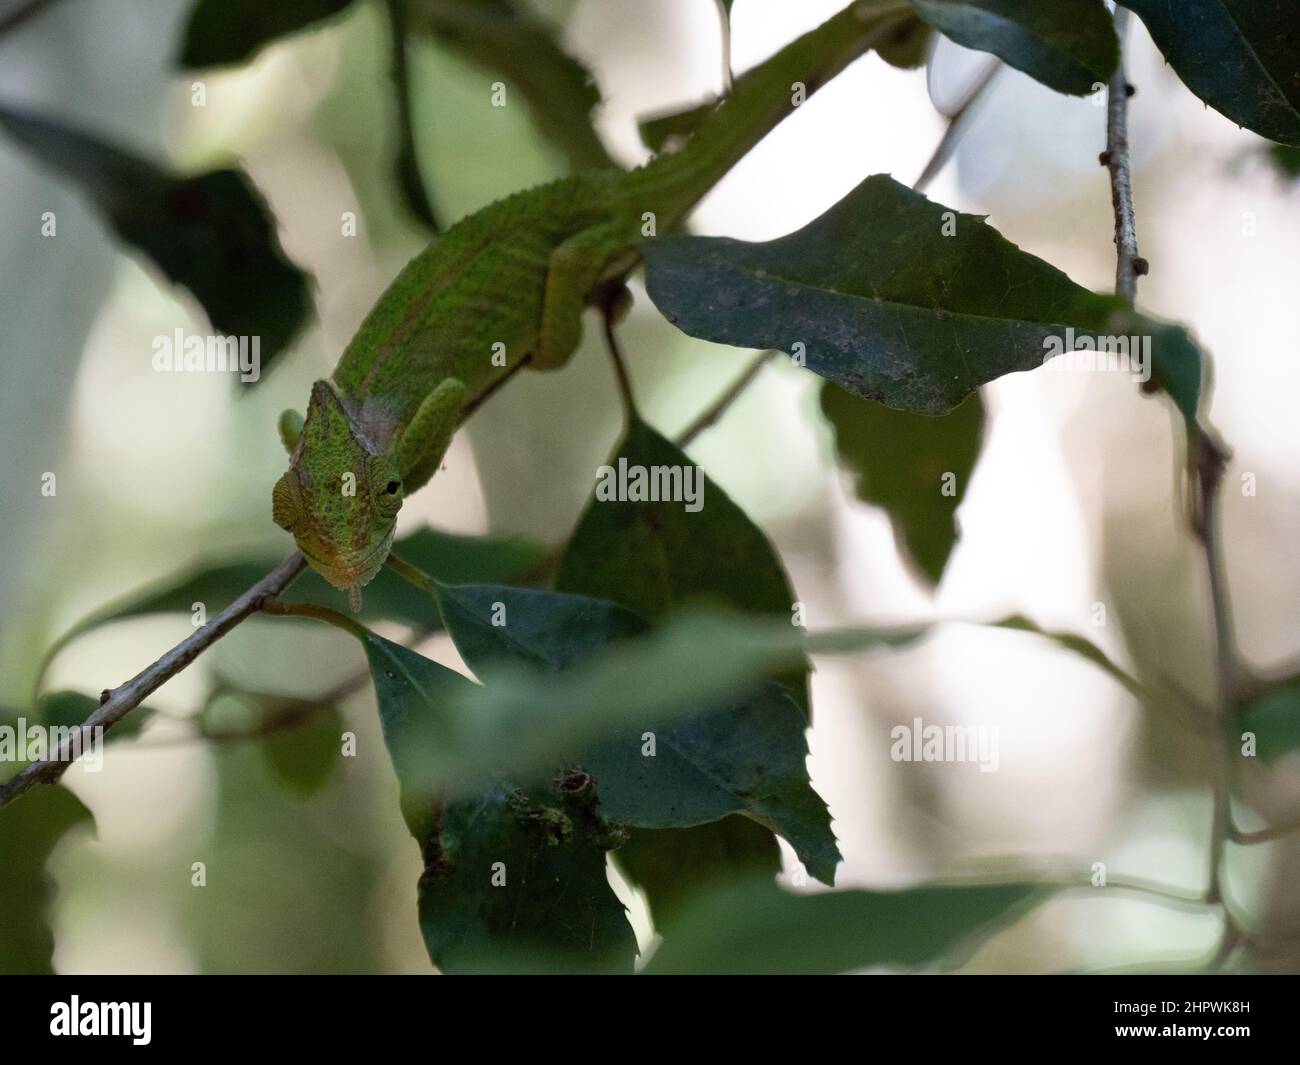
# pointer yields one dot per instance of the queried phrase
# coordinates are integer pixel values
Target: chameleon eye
(286, 501)
(392, 487)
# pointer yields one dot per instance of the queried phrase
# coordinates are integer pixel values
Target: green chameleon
(509, 284)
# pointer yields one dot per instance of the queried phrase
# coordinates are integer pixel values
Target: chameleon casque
(518, 273)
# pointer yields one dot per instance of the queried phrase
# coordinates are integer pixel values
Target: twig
(715, 410)
(117, 703)
(1208, 466)
(1263, 835)
(1129, 264)
(317, 613)
(411, 573)
(616, 357)
(957, 125)
(408, 165)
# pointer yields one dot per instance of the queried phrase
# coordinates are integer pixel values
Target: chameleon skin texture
(507, 284)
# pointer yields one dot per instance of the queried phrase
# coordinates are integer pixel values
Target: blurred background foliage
(1072, 506)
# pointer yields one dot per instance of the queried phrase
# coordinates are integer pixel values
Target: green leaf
(302, 758)
(652, 557)
(211, 233)
(748, 757)
(555, 909)
(445, 555)
(69, 709)
(1274, 717)
(1286, 160)
(655, 557)
(901, 461)
(515, 880)
(900, 300)
(745, 757)
(754, 927)
(1068, 45)
(673, 866)
(1242, 57)
(222, 32)
(524, 718)
(670, 129)
(30, 829)
(503, 39)
(491, 623)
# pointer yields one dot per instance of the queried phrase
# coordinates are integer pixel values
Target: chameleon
(504, 287)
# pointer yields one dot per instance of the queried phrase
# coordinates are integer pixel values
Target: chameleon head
(339, 497)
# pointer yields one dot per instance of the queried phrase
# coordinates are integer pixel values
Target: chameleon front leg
(290, 426)
(572, 272)
(427, 437)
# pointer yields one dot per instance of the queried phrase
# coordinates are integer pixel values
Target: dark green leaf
(491, 623)
(670, 129)
(900, 300)
(652, 557)
(1286, 160)
(304, 756)
(901, 460)
(555, 909)
(1068, 45)
(30, 829)
(755, 927)
(211, 233)
(655, 557)
(67, 709)
(744, 757)
(414, 696)
(1274, 717)
(503, 39)
(523, 718)
(221, 32)
(1242, 57)
(672, 866)
(748, 757)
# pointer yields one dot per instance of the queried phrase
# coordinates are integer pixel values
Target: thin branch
(1263, 835)
(317, 613)
(1129, 264)
(958, 123)
(408, 165)
(411, 573)
(616, 357)
(715, 410)
(117, 703)
(1210, 459)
